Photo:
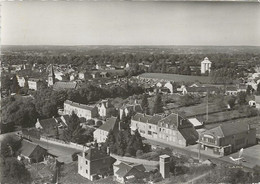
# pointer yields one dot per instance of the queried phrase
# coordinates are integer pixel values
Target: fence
(62, 143)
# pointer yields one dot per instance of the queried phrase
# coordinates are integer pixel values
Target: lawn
(176, 77)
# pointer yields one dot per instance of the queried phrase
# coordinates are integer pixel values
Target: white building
(205, 65)
(82, 110)
(33, 83)
(21, 81)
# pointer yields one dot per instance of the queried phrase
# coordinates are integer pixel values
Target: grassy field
(176, 77)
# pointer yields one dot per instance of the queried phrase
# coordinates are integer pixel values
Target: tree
(231, 101)
(6, 83)
(74, 129)
(258, 89)
(121, 143)
(249, 90)
(26, 86)
(158, 105)
(15, 85)
(9, 146)
(188, 100)
(145, 104)
(241, 98)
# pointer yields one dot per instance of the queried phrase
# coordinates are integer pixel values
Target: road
(197, 178)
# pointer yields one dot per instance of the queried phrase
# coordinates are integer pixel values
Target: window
(150, 126)
(87, 171)
(149, 133)
(86, 162)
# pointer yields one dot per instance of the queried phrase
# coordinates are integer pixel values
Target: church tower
(51, 76)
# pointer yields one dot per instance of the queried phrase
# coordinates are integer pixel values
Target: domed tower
(205, 65)
(51, 76)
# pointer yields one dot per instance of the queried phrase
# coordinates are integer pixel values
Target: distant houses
(227, 138)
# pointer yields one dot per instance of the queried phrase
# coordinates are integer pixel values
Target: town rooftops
(64, 85)
(202, 89)
(82, 106)
(133, 107)
(110, 124)
(33, 80)
(172, 120)
(228, 129)
(141, 117)
(231, 88)
(206, 61)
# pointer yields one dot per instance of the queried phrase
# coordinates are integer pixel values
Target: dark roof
(64, 85)
(95, 154)
(28, 147)
(189, 134)
(110, 124)
(82, 106)
(133, 107)
(125, 168)
(229, 129)
(141, 117)
(172, 120)
(48, 123)
(155, 119)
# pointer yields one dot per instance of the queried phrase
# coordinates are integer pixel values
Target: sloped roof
(195, 122)
(155, 119)
(133, 107)
(110, 124)
(228, 129)
(141, 117)
(64, 85)
(48, 123)
(28, 147)
(172, 119)
(125, 168)
(33, 80)
(189, 134)
(82, 106)
(95, 154)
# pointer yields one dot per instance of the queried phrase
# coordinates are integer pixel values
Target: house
(130, 109)
(47, 126)
(93, 164)
(21, 81)
(200, 90)
(83, 75)
(63, 121)
(104, 74)
(103, 107)
(128, 172)
(231, 90)
(95, 74)
(32, 152)
(197, 84)
(172, 129)
(81, 110)
(101, 133)
(33, 83)
(227, 138)
(169, 85)
(62, 85)
(242, 87)
(205, 65)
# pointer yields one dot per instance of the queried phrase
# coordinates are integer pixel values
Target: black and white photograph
(129, 92)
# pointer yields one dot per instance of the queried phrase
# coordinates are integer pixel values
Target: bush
(99, 123)
(139, 153)
(90, 122)
(74, 156)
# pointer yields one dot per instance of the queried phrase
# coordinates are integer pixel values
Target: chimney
(164, 166)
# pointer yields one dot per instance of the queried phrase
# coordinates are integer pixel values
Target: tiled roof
(229, 129)
(141, 117)
(64, 85)
(82, 106)
(110, 124)
(155, 119)
(28, 147)
(95, 154)
(48, 123)
(172, 119)
(189, 134)
(125, 168)
(231, 88)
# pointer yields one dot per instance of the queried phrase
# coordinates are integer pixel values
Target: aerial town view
(130, 92)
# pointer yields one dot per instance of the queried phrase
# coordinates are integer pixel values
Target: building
(83, 75)
(164, 162)
(94, 164)
(196, 123)
(51, 76)
(170, 86)
(130, 108)
(21, 81)
(33, 83)
(128, 172)
(65, 85)
(101, 133)
(257, 102)
(200, 90)
(103, 107)
(81, 110)
(231, 90)
(205, 65)
(32, 152)
(172, 129)
(227, 138)
(49, 127)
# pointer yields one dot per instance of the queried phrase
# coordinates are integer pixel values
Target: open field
(176, 77)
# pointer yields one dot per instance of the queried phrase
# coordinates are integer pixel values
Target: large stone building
(205, 65)
(82, 110)
(93, 164)
(228, 138)
(172, 129)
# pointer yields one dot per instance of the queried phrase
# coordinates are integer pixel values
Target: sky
(130, 23)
